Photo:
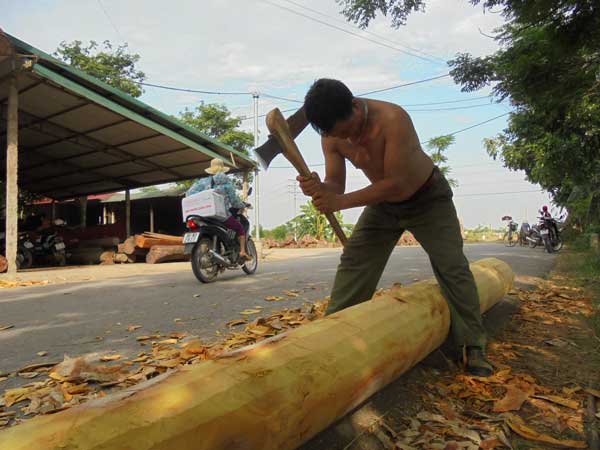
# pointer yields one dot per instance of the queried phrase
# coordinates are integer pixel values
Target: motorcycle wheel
(558, 244)
(532, 244)
(200, 257)
(250, 266)
(548, 245)
(26, 259)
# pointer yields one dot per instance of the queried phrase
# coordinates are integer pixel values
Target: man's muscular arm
(381, 190)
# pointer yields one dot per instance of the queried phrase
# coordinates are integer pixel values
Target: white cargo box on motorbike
(207, 203)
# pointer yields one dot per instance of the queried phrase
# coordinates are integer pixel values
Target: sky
(277, 48)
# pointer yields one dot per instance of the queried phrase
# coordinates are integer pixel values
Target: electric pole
(256, 186)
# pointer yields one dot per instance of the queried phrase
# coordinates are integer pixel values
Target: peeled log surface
(127, 247)
(143, 241)
(273, 395)
(164, 253)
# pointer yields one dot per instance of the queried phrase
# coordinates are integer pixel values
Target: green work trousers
(431, 217)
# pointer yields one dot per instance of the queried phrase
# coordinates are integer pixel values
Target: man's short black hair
(326, 102)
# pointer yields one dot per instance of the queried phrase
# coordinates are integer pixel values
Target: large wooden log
(143, 241)
(164, 253)
(274, 395)
(128, 246)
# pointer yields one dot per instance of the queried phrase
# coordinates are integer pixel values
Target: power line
(365, 31)
(450, 109)
(110, 20)
(473, 126)
(335, 27)
(281, 98)
(498, 193)
(195, 91)
(448, 101)
(411, 83)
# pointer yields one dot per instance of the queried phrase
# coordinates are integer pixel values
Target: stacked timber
(152, 248)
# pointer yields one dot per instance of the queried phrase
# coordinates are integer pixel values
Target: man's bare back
(410, 164)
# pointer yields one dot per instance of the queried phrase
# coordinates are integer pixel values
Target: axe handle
(279, 128)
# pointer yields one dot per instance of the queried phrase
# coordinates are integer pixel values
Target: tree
(311, 222)
(548, 66)
(116, 67)
(216, 121)
(438, 145)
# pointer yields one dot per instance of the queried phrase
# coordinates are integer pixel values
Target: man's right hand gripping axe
(281, 141)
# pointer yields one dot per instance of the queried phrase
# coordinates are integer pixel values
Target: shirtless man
(407, 192)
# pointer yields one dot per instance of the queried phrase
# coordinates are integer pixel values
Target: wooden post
(12, 171)
(151, 218)
(127, 213)
(83, 212)
(104, 215)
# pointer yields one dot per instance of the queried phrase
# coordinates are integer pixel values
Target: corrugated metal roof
(80, 136)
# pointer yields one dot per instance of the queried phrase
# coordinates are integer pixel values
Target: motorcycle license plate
(544, 232)
(190, 238)
(27, 245)
(59, 246)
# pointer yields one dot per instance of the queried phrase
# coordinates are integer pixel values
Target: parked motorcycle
(215, 248)
(546, 233)
(24, 250)
(49, 248)
(550, 233)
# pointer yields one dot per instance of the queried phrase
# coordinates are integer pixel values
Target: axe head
(265, 153)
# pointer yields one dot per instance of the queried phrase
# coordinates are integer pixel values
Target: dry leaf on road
(516, 424)
(107, 358)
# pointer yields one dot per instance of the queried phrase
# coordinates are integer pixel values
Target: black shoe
(477, 364)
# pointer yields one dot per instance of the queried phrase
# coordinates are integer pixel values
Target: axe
(282, 141)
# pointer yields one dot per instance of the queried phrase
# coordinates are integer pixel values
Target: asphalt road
(93, 316)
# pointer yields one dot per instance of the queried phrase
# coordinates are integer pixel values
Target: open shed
(70, 135)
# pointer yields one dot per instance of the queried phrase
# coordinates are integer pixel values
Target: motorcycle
(24, 250)
(511, 237)
(550, 233)
(215, 248)
(545, 233)
(49, 247)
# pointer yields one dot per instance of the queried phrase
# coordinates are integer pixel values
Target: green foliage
(362, 12)
(311, 222)
(438, 145)
(548, 66)
(114, 66)
(216, 121)
(279, 233)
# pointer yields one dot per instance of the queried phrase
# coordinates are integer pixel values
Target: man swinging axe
(407, 192)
